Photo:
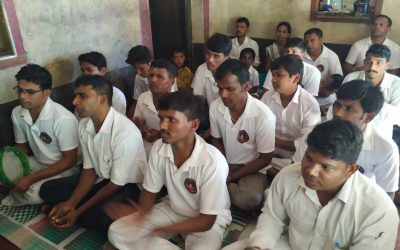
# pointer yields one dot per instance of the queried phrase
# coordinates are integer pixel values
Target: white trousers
(126, 233)
(31, 196)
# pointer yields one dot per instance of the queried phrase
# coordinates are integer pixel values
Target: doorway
(171, 27)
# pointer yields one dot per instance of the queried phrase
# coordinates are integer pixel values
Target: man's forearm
(253, 167)
(201, 223)
(108, 190)
(67, 161)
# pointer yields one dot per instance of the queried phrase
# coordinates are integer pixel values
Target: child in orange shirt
(185, 75)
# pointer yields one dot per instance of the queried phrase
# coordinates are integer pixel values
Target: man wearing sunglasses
(44, 130)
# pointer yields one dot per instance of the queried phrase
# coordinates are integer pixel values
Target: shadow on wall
(61, 69)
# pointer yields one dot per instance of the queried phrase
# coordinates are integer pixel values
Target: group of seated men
(177, 161)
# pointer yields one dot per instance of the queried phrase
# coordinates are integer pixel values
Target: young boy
(204, 84)
(296, 110)
(113, 161)
(194, 174)
(139, 57)
(310, 77)
(247, 56)
(185, 76)
(44, 129)
(94, 63)
(324, 202)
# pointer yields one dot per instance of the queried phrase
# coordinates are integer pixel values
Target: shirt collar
(149, 103)
(45, 113)
(196, 159)
(107, 125)
(249, 111)
(343, 194)
(295, 99)
(208, 74)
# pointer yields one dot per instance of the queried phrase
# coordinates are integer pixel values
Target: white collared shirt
(116, 151)
(298, 118)
(247, 43)
(54, 131)
(254, 78)
(257, 121)
(390, 86)
(328, 62)
(204, 84)
(206, 170)
(358, 50)
(379, 159)
(118, 101)
(310, 79)
(360, 216)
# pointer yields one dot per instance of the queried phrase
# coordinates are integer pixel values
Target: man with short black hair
(359, 102)
(94, 63)
(113, 161)
(43, 129)
(204, 84)
(243, 129)
(380, 28)
(376, 62)
(324, 202)
(161, 80)
(242, 41)
(193, 172)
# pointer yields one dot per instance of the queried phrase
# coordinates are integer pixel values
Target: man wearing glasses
(43, 129)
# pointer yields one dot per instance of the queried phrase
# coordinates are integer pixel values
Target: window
(11, 51)
(348, 11)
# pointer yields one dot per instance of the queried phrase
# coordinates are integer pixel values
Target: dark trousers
(59, 190)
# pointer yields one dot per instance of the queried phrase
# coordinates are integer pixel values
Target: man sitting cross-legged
(113, 161)
(194, 174)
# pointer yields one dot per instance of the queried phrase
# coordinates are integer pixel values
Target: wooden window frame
(15, 35)
(315, 16)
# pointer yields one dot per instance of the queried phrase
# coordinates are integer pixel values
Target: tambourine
(14, 164)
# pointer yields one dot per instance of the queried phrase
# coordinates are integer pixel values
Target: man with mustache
(242, 41)
(380, 28)
(376, 62)
(324, 202)
(204, 84)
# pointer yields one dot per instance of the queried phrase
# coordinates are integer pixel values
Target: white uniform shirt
(310, 79)
(257, 121)
(254, 78)
(379, 159)
(116, 152)
(328, 62)
(298, 118)
(360, 216)
(273, 51)
(55, 130)
(247, 43)
(204, 84)
(118, 101)
(390, 86)
(197, 186)
(358, 50)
